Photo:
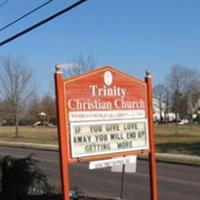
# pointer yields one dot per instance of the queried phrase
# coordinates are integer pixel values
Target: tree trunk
(16, 126)
(176, 130)
(190, 118)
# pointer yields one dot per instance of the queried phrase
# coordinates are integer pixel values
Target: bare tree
(160, 93)
(33, 109)
(192, 97)
(76, 66)
(184, 86)
(79, 65)
(15, 80)
(47, 105)
(1, 111)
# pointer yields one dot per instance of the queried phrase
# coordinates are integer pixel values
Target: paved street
(176, 182)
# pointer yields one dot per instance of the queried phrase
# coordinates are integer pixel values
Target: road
(175, 182)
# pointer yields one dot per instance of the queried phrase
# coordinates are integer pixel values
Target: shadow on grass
(45, 197)
(58, 197)
(36, 197)
(182, 148)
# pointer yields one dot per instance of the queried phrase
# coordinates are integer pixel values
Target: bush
(21, 177)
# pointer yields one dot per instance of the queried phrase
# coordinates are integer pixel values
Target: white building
(161, 114)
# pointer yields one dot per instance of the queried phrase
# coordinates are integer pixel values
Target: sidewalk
(161, 157)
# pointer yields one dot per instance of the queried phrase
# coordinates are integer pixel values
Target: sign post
(62, 134)
(104, 114)
(122, 182)
(152, 155)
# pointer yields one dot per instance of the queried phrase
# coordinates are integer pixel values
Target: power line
(4, 3)
(42, 22)
(27, 14)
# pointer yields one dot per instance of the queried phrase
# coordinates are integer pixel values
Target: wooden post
(152, 155)
(62, 133)
(122, 182)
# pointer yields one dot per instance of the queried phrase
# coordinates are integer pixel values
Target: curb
(160, 157)
(48, 147)
(178, 158)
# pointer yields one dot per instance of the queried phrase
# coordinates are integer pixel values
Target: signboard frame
(64, 127)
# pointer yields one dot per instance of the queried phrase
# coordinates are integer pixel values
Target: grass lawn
(42, 135)
(169, 138)
(183, 139)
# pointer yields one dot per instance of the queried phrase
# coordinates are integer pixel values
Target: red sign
(107, 112)
(104, 114)
(105, 89)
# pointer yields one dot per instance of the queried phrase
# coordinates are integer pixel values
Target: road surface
(175, 182)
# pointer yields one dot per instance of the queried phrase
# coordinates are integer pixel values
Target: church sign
(107, 113)
(104, 115)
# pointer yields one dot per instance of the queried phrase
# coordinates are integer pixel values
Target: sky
(129, 35)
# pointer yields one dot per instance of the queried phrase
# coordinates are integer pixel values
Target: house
(160, 113)
(159, 109)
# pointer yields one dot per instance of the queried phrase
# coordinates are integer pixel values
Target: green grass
(169, 138)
